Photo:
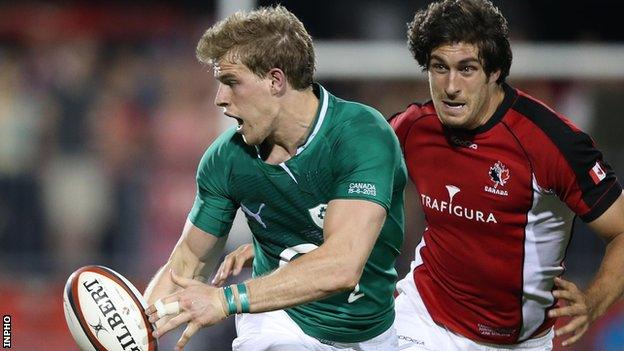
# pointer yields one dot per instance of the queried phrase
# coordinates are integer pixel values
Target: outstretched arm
(195, 252)
(351, 228)
(607, 286)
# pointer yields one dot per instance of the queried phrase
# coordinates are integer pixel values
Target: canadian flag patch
(597, 174)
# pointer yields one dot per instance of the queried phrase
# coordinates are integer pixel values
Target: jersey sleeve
(568, 163)
(588, 184)
(365, 160)
(213, 210)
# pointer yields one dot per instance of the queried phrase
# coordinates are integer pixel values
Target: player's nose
(222, 96)
(452, 86)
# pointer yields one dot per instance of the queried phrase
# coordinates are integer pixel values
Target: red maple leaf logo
(499, 174)
(504, 175)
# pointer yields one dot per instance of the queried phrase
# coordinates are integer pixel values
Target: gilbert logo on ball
(105, 312)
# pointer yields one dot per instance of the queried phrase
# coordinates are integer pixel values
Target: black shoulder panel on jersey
(579, 151)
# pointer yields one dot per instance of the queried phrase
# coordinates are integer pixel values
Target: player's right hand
(233, 263)
(196, 304)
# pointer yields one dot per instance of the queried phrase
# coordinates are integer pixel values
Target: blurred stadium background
(104, 113)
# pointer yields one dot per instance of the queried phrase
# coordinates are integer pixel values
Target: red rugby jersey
(499, 204)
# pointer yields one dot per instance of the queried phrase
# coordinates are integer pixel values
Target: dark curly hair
(476, 22)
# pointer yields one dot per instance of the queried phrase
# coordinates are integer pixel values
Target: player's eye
(468, 69)
(438, 67)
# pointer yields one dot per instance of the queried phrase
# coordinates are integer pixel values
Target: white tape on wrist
(170, 308)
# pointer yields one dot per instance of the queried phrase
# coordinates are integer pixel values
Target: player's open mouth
(454, 105)
(240, 122)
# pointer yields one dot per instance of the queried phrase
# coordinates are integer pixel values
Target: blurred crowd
(98, 145)
(101, 132)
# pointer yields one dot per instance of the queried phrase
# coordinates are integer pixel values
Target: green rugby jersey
(351, 153)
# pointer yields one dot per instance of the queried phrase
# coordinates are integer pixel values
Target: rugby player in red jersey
(501, 177)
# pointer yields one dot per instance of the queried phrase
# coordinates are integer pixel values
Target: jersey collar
(321, 113)
(510, 97)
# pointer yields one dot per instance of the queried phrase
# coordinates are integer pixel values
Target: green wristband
(229, 298)
(242, 296)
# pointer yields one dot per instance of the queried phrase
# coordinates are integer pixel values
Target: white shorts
(417, 331)
(275, 331)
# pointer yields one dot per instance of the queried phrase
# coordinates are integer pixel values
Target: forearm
(188, 259)
(607, 287)
(350, 230)
(161, 284)
(311, 277)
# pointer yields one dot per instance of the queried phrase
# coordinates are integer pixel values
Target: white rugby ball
(105, 312)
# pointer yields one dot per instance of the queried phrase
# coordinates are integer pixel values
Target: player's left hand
(577, 308)
(233, 263)
(199, 305)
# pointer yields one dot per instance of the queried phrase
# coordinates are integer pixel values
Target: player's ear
(494, 76)
(278, 81)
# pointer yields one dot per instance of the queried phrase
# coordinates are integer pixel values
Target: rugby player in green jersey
(320, 180)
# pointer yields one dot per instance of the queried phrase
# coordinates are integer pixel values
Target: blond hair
(270, 37)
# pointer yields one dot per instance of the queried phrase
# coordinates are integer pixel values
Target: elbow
(342, 277)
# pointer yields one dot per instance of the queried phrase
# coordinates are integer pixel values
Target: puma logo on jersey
(255, 215)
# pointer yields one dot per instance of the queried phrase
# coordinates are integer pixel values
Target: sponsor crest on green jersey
(318, 214)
